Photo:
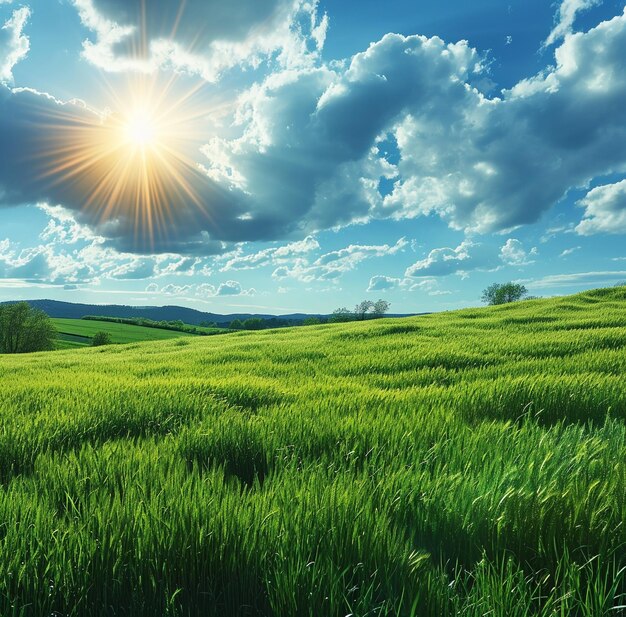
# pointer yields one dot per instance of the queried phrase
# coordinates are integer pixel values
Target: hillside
(79, 332)
(71, 310)
(469, 463)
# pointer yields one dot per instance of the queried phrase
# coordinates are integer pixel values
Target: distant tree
(341, 315)
(208, 324)
(311, 321)
(236, 324)
(502, 293)
(379, 308)
(101, 338)
(362, 309)
(24, 329)
(620, 284)
(253, 323)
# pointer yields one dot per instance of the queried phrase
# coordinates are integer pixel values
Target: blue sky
(294, 155)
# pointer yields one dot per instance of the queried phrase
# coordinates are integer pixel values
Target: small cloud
(565, 18)
(14, 45)
(467, 256)
(569, 251)
(514, 254)
(388, 283)
(605, 210)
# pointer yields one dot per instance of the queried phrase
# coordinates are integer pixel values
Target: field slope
(470, 463)
(79, 332)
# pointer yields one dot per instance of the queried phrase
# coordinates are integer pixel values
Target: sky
(284, 156)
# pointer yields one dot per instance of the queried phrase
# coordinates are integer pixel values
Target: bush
(24, 329)
(101, 338)
(503, 293)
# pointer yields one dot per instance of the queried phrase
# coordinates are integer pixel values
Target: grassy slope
(78, 332)
(468, 463)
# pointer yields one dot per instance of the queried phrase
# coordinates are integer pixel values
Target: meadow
(79, 332)
(468, 463)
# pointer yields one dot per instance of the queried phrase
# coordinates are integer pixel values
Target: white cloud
(205, 290)
(469, 255)
(565, 18)
(388, 283)
(577, 279)
(569, 251)
(513, 253)
(333, 265)
(205, 37)
(14, 45)
(308, 156)
(605, 210)
(62, 227)
(272, 256)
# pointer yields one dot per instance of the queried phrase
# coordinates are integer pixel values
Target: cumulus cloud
(389, 283)
(513, 253)
(605, 210)
(71, 254)
(469, 255)
(308, 155)
(565, 18)
(14, 45)
(200, 36)
(229, 288)
(482, 164)
(271, 256)
(333, 265)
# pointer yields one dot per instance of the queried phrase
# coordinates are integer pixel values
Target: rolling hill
(70, 310)
(79, 332)
(468, 463)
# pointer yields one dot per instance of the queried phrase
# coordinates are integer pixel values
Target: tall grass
(470, 463)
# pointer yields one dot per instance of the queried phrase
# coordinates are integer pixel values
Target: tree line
(175, 325)
(362, 311)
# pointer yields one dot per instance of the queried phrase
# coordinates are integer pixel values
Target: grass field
(470, 463)
(79, 332)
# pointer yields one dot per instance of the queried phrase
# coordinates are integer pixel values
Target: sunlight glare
(140, 129)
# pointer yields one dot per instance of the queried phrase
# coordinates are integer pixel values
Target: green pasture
(469, 463)
(79, 332)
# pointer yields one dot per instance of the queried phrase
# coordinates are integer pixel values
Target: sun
(136, 160)
(140, 129)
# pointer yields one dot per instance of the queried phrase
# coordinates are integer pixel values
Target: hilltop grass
(79, 332)
(470, 463)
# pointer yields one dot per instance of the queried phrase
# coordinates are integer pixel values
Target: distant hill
(70, 310)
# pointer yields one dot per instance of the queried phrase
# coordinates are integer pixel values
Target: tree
(362, 309)
(236, 324)
(379, 308)
(24, 329)
(101, 338)
(311, 321)
(502, 293)
(253, 323)
(341, 315)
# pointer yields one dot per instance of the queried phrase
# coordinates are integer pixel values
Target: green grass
(78, 332)
(470, 463)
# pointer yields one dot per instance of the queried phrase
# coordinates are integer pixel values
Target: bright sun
(135, 162)
(140, 129)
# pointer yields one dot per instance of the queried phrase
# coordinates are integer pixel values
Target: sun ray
(133, 162)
